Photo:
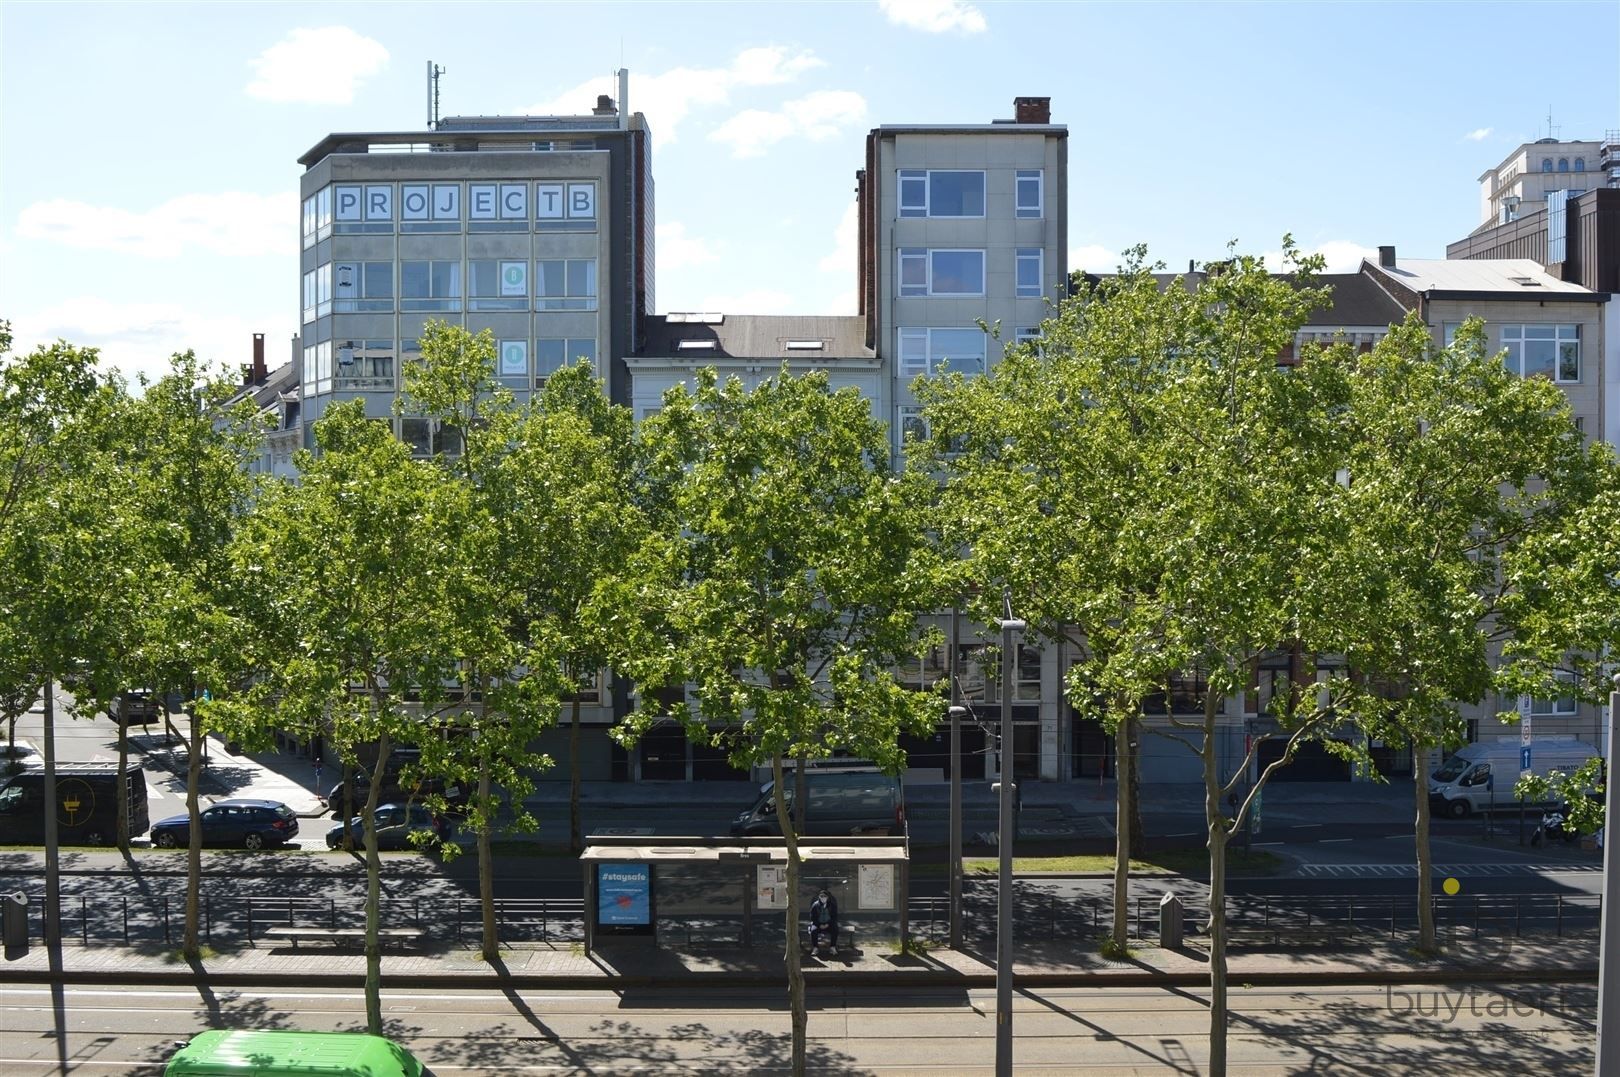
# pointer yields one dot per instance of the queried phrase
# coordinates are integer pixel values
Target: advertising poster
(622, 892)
(771, 884)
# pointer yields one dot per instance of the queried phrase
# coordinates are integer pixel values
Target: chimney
(604, 106)
(1032, 110)
(259, 375)
(1386, 257)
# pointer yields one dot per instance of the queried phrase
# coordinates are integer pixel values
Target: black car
(252, 824)
(395, 825)
(395, 788)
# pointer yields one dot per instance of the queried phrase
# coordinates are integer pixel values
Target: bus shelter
(676, 891)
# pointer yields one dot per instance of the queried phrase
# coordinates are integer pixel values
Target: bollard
(1170, 921)
(14, 924)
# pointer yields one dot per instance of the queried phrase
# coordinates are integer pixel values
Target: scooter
(1552, 827)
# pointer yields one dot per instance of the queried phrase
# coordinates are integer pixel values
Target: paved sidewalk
(622, 965)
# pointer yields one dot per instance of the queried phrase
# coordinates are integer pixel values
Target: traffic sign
(1524, 760)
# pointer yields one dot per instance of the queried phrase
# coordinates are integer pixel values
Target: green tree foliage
(799, 568)
(1453, 464)
(358, 574)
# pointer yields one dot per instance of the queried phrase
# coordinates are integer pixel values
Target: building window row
(1563, 164)
(934, 271)
(1547, 351)
(550, 355)
(369, 365)
(957, 193)
(514, 206)
(436, 285)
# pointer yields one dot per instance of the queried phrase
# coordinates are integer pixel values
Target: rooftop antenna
(1552, 132)
(433, 73)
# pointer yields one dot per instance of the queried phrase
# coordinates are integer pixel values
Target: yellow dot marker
(1451, 886)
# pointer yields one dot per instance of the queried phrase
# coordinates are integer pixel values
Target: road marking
(1307, 826)
(1330, 841)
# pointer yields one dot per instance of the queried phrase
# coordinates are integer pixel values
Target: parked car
(252, 824)
(138, 706)
(394, 788)
(395, 825)
(286, 1053)
(86, 804)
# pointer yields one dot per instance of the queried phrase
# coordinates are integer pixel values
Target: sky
(148, 152)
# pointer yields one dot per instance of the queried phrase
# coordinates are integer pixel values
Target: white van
(1482, 774)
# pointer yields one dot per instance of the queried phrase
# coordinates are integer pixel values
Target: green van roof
(286, 1053)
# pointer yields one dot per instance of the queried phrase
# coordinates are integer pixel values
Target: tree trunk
(374, 1022)
(347, 800)
(1138, 832)
(796, 998)
(1217, 897)
(191, 944)
(489, 946)
(576, 831)
(121, 787)
(1425, 861)
(1124, 795)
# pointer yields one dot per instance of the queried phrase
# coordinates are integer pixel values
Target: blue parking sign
(1524, 758)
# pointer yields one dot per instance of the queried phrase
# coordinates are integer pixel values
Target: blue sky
(148, 165)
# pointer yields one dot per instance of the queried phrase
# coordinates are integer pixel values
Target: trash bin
(14, 924)
(1171, 914)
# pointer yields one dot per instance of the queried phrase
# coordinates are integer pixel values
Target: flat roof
(1520, 277)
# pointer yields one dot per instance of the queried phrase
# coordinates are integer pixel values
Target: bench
(340, 935)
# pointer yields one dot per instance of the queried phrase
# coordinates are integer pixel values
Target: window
(365, 364)
(913, 427)
(417, 434)
(309, 297)
(552, 354)
(1563, 164)
(1546, 164)
(514, 358)
(1029, 272)
(363, 286)
(1028, 673)
(318, 368)
(941, 272)
(565, 284)
(494, 284)
(925, 351)
(941, 193)
(323, 213)
(1580, 164)
(308, 231)
(430, 286)
(1029, 193)
(1561, 705)
(1186, 694)
(1548, 351)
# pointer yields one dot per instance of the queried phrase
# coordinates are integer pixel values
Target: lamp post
(1608, 1022)
(954, 870)
(1010, 630)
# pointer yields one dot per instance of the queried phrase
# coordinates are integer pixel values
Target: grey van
(841, 802)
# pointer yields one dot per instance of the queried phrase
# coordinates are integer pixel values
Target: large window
(497, 284)
(941, 193)
(1547, 351)
(363, 286)
(430, 285)
(941, 272)
(1186, 695)
(318, 368)
(1029, 272)
(926, 351)
(1029, 193)
(1563, 704)
(553, 353)
(565, 284)
(365, 364)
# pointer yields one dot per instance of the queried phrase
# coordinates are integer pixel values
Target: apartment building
(1527, 178)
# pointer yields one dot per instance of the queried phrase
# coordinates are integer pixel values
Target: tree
(799, 569)
(1454, 463)
(1038, 490)
(509, 644)
(352, 571)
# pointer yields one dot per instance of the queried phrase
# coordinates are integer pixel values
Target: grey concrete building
(539, 229)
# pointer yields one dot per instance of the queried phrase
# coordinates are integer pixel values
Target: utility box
(1171, 915)
(14, 924)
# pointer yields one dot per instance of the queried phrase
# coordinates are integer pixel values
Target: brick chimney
(1032, 110)
(258, 375)
(604, 106)
(1386, 257)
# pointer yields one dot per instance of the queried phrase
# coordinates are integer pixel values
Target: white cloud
(677, 250)
(668, 98)
(232, 223)
(321, 66)
(842, 303)
(934, 16)
(1342, 256)
(1093, 259)
(138, 338)
(845, 237)
(815, 116)
(1478, 134)
(754, 301)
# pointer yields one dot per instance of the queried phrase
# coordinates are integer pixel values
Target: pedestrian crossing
(1458, 871)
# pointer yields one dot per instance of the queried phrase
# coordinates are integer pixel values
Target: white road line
(1330, 841)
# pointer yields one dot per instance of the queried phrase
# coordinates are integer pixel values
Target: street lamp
(1006, 830)
(1608, 1046)
(957, 714)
